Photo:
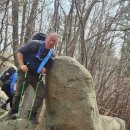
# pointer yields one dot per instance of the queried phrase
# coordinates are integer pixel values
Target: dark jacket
(34, 53)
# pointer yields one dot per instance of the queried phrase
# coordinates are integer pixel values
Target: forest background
(94, 32)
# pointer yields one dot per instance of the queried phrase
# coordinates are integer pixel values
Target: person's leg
(7, 92)
(11, 100)
(21, 85)
(39, 96)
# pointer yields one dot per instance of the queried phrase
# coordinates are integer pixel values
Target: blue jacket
(13, 80)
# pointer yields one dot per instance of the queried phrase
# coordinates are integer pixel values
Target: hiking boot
(14, 116)
(33, 118)
(3, 106)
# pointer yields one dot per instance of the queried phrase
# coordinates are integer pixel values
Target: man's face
(50, 42)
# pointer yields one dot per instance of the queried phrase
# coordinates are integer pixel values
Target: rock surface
(71, 99)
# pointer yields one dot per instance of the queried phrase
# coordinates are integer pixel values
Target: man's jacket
(34, 53)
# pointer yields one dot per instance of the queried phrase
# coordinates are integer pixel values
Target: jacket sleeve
(13, 81)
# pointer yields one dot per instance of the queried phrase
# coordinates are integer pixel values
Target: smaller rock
(112, 123)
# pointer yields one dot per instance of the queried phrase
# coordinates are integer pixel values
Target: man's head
(51, 40)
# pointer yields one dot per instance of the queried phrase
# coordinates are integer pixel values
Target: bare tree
(55, 19)
(23, 21)
(30, 23)
(2, 22)
(15, 9)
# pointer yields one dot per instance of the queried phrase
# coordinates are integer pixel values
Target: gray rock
(71, 99)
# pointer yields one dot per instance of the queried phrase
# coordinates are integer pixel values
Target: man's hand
(24, 68)
(43, 70)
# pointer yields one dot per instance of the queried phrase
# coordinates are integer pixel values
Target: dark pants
(37, 85)
(6, 89)
(10, 100)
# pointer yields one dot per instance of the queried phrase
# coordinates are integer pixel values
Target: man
(8, 78)
(30, 58)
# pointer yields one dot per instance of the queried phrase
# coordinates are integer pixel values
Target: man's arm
(26, 50)
(20, 59)
(21, 63)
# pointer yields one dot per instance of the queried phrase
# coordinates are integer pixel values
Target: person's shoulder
(32, 44)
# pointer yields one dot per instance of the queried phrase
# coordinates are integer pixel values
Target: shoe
(3, 106)
(33, 118)
(14, 116)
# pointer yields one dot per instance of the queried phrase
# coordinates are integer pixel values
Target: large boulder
(71, 99)
(27, 102)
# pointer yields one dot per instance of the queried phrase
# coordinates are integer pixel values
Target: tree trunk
(31, 21)
(23, 21)
(55, 16)
(15, 8)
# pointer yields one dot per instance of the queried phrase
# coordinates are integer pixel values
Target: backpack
(7, 74)
(39, 36)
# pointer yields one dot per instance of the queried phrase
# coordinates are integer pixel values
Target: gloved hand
(24, 68)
